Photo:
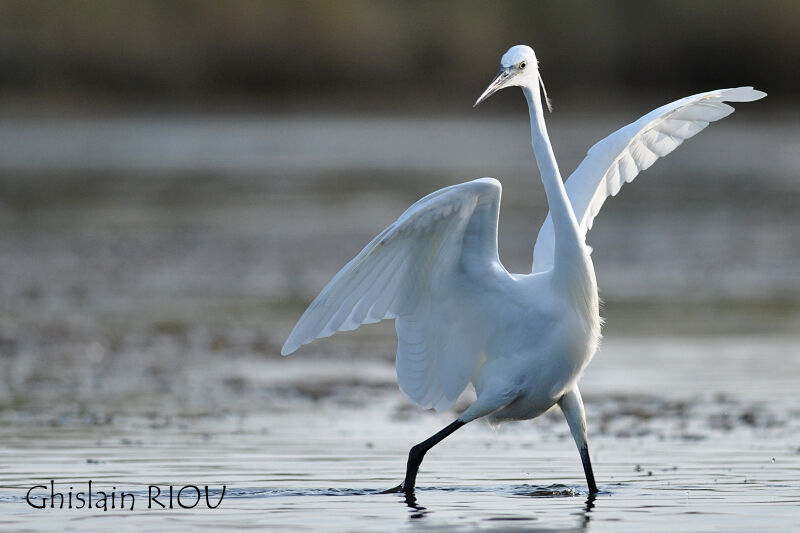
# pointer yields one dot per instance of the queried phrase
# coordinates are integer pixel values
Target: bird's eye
(522, 65)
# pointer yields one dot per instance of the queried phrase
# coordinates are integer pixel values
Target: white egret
(522, 340)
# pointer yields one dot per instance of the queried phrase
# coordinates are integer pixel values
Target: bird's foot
(393, 490)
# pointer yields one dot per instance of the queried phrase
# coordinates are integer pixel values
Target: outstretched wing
(406, 272)
(620, 157)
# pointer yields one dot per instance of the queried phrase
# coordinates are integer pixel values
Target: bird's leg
(416, 455)
(572, 406)
(587, 469)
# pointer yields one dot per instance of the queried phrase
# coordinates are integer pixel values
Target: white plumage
(521, 340)
(621, 156)
(407, 272)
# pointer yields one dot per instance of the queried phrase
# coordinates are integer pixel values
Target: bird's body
(522, 340)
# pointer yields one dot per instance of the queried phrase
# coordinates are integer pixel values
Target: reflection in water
(418, 511)
(587, 509)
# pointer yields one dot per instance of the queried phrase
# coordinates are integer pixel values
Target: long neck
(564, 222)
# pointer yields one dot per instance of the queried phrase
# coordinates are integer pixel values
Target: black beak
(498, 83)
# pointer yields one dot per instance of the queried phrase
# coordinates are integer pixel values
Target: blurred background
(266, 56)
(179, 179)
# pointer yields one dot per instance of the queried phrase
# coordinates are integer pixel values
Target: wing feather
(405, 273)
(621, 156)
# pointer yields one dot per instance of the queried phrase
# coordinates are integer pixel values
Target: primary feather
(621, 156)
(410, 272)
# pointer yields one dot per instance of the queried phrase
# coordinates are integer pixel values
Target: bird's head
(518, 67)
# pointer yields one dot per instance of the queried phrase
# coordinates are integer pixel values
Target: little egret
(522, 340)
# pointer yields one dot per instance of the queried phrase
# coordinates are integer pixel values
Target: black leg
(416, 455)
(587, 469)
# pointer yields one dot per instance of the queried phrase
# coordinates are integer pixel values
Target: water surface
(152, 267)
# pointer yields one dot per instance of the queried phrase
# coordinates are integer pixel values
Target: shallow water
(312, 452)
(152, 267)
(319, 465)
